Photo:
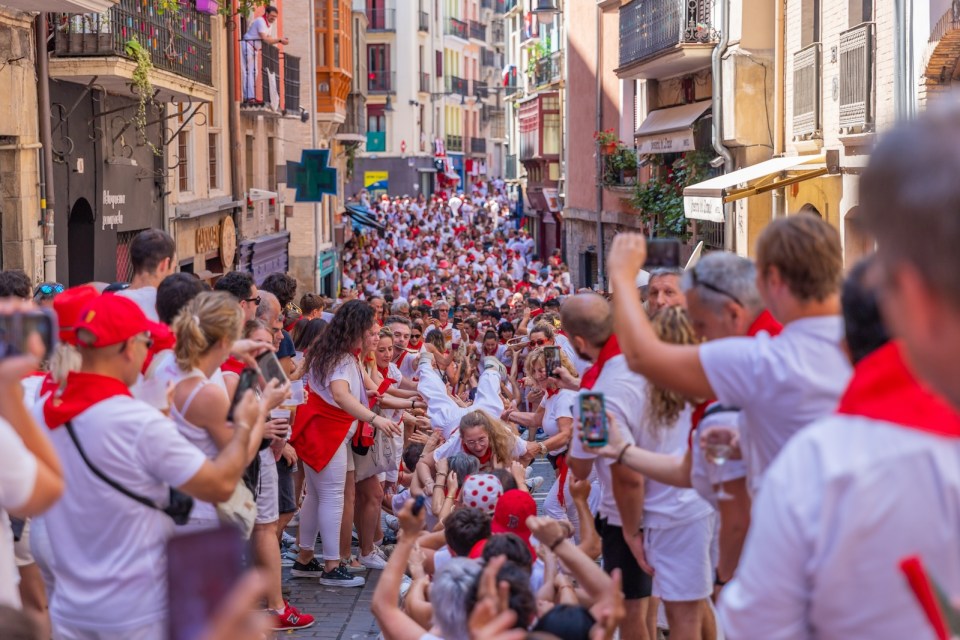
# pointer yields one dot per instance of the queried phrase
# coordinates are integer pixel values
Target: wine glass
(718, 447)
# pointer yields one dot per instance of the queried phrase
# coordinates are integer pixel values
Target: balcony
(457, 28)
(806, 93)
(480, 89)
(856, 79)
(488, 58)
(455, 143)
(497, 36)
(478, 146)
(381, 19)
(381, 81)
(510, 167)
(376, 141)
(425, 83)
(262, 95)
(455, 85)
(354, 128)
(548, 70)
(92, 46)
(478, 31)
(424, 22)
(662, 38)
(291, 84)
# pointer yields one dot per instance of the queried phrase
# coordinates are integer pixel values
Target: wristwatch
(543, 448)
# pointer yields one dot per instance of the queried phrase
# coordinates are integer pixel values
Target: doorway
(80, 243)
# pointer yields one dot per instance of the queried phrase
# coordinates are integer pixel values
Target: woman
(555, 416)
(322, 433)
(481, 435)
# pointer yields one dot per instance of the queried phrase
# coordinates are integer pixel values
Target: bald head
(589, 317)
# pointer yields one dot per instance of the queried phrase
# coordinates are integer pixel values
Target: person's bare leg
(266, 555)
(346, 524)
(652, 618)
(369, 495)
(636, 611)
(684, 619)
(33, 595)
(708, 622)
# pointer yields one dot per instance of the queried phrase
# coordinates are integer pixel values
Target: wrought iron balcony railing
(424, 21)
(178, 42)
(650, 27)
(457, 85)
(478, 31)
(488, 58)
(381, 20)
(454, 143)
(549, 69)
(806, 92)
(356, 122)
(264, 62)
(381, 81)
(457, 28)
(291, 84)
(480, 89)
(856, 78)
(478, 145)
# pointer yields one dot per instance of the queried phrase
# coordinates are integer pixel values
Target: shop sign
(207, 239)
(228, 242)
(114, 219)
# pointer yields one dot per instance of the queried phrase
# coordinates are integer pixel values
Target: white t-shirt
(782, 384)
(258, 29)
(18, 476)
(109, 550)
(842, 504)
(347, 369)
(146, 299)
(579, 363)
(555, 407)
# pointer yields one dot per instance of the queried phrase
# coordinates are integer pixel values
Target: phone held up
(270, 368)
(16, 331)
(551, 360)
(593, 419)
(248, 380)
(662, 253)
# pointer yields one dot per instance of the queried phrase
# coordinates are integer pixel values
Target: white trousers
(322, 509)
(444, 413)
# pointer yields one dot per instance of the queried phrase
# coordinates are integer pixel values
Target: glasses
(538, 343)
(254, 300)
(697, 282)
(416, 336)
(48, 290)
(482, 442)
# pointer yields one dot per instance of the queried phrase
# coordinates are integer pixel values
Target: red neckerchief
(484, 459)
(415, 346)
(551, 392)
(765, 322)
(48, 385)
(232, 365)
(884, 388)
(83, 390)
(610, 350)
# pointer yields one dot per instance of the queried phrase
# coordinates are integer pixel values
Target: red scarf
(83, 390)
(884, 388)
(318, 430)
(232, 365)
(552, 392)
(610, 350)
(765, 322)
(415, 346)
(484, 459)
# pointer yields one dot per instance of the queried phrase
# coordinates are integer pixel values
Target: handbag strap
(83, 455)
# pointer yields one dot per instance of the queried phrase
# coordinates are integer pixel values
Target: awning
(453, 177)
(705, 200)
(363, 217)
(670, 130)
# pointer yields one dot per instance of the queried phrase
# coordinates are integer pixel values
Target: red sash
(610, 350)
(562, 470)
(318, 431)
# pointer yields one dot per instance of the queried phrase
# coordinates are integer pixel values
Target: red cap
(510, 516)
(68, 306)
(114, 319)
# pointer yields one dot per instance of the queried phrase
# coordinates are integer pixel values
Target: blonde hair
(673, 326)
(539, 356)
(545, 328)
(65, 358)
(209, 318)
(499, 434)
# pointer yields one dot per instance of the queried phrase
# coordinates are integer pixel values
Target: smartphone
(435, 314)
(17, 329)
(662, 253)
(270, 368)
(593, 419)
(202, 569)
(551, 359)
(418, 503)
(248, 380)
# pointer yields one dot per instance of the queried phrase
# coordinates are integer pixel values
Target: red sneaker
(291, 618)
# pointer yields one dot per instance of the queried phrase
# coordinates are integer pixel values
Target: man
(663, 290)
(851, 497)
(107, 547)
(240, 285)
(404, 358)
(151, 253)
(14, 283)
(284, 287)
(589, 324)
(260, 31)
(781, 384)
(378, 305)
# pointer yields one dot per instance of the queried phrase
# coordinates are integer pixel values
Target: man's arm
(395, 623)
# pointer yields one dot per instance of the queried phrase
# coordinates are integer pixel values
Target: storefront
(327, 272)
(206, 237)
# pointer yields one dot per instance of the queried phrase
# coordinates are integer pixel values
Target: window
(378, 67)
(859, 11)
(183, 161)
(551, 124)
(271, 163)
(376, 118)
(809, 22)
(248, 154)
(213, 157)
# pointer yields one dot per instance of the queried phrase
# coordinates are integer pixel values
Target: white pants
(552, 508)
(322, 509)
(249, 58)
(152, 631)
(444, 413)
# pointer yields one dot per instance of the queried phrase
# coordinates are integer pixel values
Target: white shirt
(348, 369)
(579, 363)
(109, 551)
(782, 384)
(452, 447)
(555, 407)
(845, 501)
(18, 476)
(258, 29)
(146, 299)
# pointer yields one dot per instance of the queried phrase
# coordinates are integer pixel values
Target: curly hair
(343, 332)
(673, 326)
(499, 434)
(281, 285)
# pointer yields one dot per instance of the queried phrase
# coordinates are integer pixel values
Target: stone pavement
(344, 614)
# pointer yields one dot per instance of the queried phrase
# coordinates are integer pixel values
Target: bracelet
(717, 582)
(413, 404)
(556, 544)
(622, 451)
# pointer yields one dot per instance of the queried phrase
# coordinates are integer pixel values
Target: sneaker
(287, 540)
(492, 362)
(352, 565)
(340, 578)
(393, 522)
(534, 483)
(291, 618)
(373, 561)
(310, 570)
(286, 561)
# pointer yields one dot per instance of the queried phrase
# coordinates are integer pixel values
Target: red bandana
(765, 322)
(484, 459)
(83, 390)
(610, 350)
(883, 388)
(232, 365)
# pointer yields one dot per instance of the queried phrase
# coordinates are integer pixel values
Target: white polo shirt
(782, 384)
(18, 477)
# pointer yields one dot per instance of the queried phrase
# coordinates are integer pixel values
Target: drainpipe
(778, 111)
(46, 153)
(729, 227)
(903, 60)
(233, 113)
(601, 275)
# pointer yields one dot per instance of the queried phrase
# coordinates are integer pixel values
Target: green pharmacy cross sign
(311, 177)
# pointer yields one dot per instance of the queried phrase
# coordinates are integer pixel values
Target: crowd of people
(741, 448)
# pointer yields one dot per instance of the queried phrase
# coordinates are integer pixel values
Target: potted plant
(607, 140)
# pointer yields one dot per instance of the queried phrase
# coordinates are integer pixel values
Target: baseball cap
(511, 513)
(68, 306)
(482, 491)
(113, 319)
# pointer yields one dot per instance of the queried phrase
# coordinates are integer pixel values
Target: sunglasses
(538, 343)
(48, 290)
(416, 336)
(256, 300)
(697, 282)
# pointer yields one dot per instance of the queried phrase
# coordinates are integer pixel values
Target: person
(258, 33)
(322, 433)
(838, 555)
(270, 313)
(780, 383)
(15, 283)
(445, 414)
(664, 290)
(173, 294)
(152, 254)
(242, 287)
(45, 292)
(404, 357)
(99, 530)
(312, 306)
(486, 438)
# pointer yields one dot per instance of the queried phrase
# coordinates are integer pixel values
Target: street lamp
(389, 105)
(546, 10)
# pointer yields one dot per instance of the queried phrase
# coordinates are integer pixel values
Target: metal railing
(488, 58)
(856, 78)
(806, 91)
(457, 85)
(454, 143)
(478, 31)
(266, 66)
(424, 21)
(376, 141)
(425, 82)
(291, 83)
(381, 19)
(478, 145)
(549, 69)
(381, 81)
(480, 89)
(178, 42)
(649, 27)
(356, 120)
(497, 34)
(510, 167)
(457, 28)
